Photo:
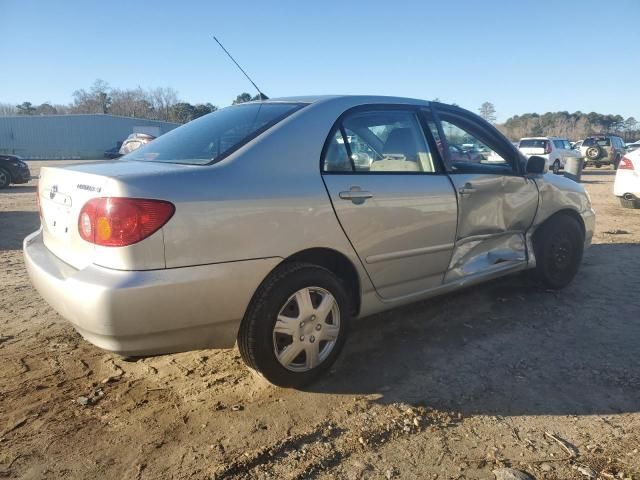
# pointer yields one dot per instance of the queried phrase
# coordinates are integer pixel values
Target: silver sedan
(275, 223)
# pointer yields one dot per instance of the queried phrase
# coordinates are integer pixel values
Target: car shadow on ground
(508, 347)
(18, 189)
(14, 226)
(598, 171)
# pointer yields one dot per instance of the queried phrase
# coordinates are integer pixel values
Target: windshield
(210, 138)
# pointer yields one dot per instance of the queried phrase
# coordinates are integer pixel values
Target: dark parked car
(113, 152)
(135, 141)
(13, 170)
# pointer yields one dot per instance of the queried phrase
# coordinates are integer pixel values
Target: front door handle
(466, 189)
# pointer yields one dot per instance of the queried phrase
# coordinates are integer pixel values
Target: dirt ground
(505, 374)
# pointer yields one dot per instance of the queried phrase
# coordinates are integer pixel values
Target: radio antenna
(261, 95)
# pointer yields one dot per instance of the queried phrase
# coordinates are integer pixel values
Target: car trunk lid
(63, 191)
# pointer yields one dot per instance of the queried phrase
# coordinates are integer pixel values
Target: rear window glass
(533, 143)
(603, 142)
(210, 138)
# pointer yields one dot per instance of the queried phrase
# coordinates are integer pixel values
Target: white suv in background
(555, 149)
(627, 184)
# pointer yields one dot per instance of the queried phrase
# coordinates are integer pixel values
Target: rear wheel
(616, 162)
(296, 325)
(5, 178)
(558, 246)
(556, 167)
(629, 202)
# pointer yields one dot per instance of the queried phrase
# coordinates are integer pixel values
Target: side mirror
(536, 165)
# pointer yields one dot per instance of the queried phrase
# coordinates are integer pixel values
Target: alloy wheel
(306, 329)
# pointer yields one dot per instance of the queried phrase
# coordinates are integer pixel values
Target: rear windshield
(602, 141)
(212, 137)
(533, 143)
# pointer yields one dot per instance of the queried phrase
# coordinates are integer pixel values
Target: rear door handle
(466, 189)
(355, 195)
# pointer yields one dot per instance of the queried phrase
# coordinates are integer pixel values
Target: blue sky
(521, 55)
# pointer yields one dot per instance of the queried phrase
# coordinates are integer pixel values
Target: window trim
(506, 149)
(410, 108)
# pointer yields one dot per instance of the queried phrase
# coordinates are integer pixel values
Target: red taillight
(547, 147)
(625, 164)
(118, 222)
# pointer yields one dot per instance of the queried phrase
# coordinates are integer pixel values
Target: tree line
(160, 103)
(163, 103)
(574, 126)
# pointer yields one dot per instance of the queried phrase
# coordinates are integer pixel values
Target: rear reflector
(625, 164)
(118, 222)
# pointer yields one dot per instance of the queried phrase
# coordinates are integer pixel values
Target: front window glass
(209, 138)
(467, 150)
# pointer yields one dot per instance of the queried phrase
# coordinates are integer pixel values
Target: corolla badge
(53, 191)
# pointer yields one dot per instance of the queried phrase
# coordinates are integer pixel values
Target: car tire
(556, 167)
(615, 163)
(5, 178)
(558, 245)
(281, 320)
(629, 202)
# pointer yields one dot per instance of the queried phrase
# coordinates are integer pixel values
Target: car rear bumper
(148, 312)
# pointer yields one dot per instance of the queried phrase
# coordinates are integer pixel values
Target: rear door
(393, 200)
(496, 202)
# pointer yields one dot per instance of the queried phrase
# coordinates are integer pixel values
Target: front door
(396, 206)
(496, 201)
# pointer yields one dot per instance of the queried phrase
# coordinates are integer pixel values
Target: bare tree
(488, 112)
(7, 109)
(96, 100)
(162, 99)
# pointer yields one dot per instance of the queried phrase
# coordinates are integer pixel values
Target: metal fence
(71, 136)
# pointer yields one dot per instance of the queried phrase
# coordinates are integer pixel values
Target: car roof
(353, 99)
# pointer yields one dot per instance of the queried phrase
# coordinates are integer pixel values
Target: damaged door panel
(494, 212)
(496, 201)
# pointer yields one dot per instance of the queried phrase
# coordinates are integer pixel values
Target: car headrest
(401, 142)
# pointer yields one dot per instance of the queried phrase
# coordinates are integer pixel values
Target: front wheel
(558, 246)
(556, 167)
(296, 325)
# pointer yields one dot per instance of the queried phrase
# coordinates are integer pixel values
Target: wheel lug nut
(312, 339)
(313, 317)
(301, 338)
(318, 327)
